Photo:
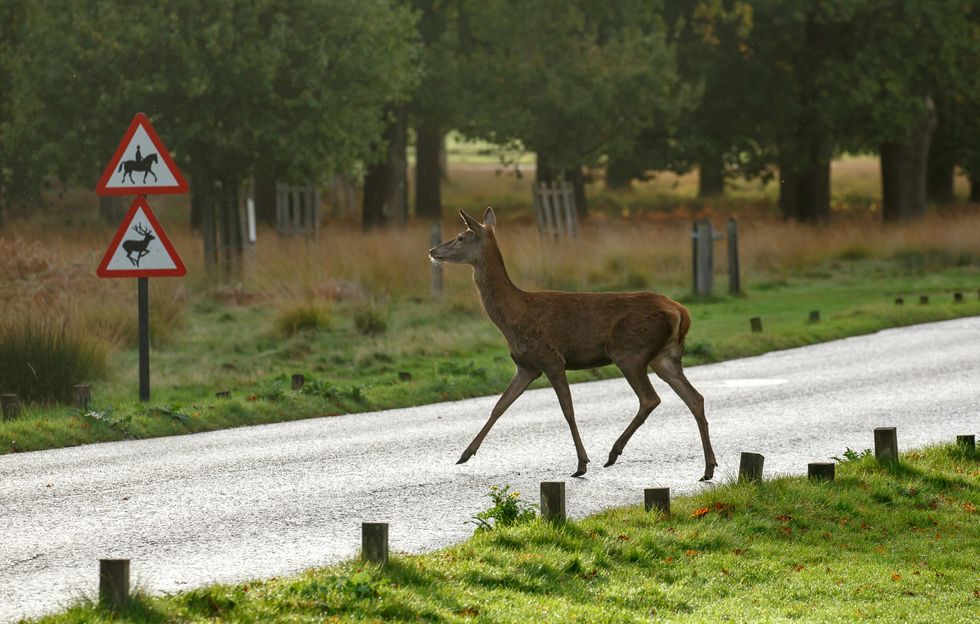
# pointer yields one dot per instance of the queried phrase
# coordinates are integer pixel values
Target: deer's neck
(503, 302)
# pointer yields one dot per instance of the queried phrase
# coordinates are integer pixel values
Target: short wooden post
(10, 405)
(899, 301)
(967, 443)
(923, 299)
(750, 467)
(374, 542)
(957, 297)
(886, 444)
(553, 500)
(756, 323)
(298, 381)
(657, 498)
(81, 396)
(820, 471)
(734, 276)
(436, 239)
(223, 394)
(704, 243)
(814, 316)
(113, 582)
(404, 376)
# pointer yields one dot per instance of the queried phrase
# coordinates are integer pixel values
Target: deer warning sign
(141, 165)
(141, 248)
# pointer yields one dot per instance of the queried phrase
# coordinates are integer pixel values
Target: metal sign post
(141, 248)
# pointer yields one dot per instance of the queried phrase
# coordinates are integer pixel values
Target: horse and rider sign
(141, 166)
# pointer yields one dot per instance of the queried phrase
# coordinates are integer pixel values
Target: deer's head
(146, 233)
(467, 247)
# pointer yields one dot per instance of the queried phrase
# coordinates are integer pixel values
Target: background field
(353, 311)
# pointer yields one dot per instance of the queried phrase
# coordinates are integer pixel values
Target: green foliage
(303, 317)
(42, 360)
(851, 455)
(507, 510)
(370, 320)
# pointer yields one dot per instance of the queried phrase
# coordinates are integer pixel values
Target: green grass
(243, 349)
(881, 543)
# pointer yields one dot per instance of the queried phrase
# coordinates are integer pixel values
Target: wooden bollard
(81, 396)
(113, 582)
(223, 394)
(886, 444)
(967, 443)
(957, 297)
(820, 471)
(814, 316)
(657, 498)
(756, 323)
(553, 500)
(404, 376)
(750, 467)
(10, 405)
(374, 542)
(899, 301)
(923, 299)
(298, 382)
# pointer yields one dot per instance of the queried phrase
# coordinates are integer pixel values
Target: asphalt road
(269, 500)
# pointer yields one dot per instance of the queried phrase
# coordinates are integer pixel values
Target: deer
(551, 332)
(138, 246)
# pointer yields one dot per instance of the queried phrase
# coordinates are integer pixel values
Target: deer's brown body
(551, 332)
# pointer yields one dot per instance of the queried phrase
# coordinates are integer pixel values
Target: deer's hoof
(709, 472)
(583, 466)
(465, 457)
(613, 456)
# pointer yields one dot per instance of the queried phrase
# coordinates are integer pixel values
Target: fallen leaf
(719, 507)
(797, 567)
(786, 530)
(691, 553)
(725, 571)
(700, 512)
(880, 549)
(668, 560)
(737, 552)
(968, 507)
(623, 538)
(896, 576)
(784, 518)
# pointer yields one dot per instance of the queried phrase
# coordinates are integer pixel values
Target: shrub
(303, 317)
(42, 360)
(370, 321)
(508, 509)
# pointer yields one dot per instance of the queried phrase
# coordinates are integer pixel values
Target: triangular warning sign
(141, 165)
(141, 248)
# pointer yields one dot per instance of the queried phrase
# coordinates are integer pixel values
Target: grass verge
(881, 543)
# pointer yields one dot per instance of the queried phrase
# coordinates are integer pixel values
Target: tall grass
(41, 360)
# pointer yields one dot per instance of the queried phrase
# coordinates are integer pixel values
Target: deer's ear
(470, 222)
(489, 219)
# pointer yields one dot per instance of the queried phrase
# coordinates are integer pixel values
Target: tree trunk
(619, 174)
(428, 170)
(939, 180)
(198, 204)
(789, 189)
(577, 178)
(975, 189)
(814, 193)
(386, 183)
(903, 172)
(711, 176)
(265, 195)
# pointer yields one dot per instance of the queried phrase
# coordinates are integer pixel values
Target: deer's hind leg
(636, 374)
(668, 367)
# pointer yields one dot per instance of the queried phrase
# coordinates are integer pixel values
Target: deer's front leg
(522, 379)
(560, 382)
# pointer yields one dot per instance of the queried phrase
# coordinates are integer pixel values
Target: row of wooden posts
(114, 573)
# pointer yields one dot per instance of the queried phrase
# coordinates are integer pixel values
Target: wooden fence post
(435, 239)
(114, 582)
(750, 467)
(886, 444)
(756, 324)
(10, 405)
(899, 301)
(734, 276)
(967, 443)
(81, 396)
(821, 471)
(553, 500)
(298, 381)
(657, 498)
(704, 244)
(957, 297)
(223, 394)
(814, 316)
(374, 542)
(923, 299)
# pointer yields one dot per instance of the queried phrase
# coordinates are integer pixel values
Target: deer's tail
(684, 326)
(120, 167)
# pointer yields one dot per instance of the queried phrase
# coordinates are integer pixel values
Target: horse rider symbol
(138, 164)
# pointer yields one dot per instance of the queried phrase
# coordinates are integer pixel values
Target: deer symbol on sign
(138, 246)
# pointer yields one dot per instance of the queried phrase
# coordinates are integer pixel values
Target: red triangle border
(141, 119)
(177, 271)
